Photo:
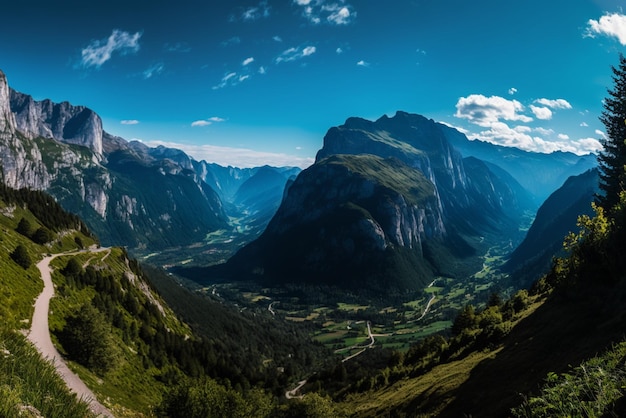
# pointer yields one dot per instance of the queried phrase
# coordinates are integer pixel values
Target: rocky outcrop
(61, 121)
(7, 120)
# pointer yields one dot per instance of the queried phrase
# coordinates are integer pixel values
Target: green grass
(27, 382)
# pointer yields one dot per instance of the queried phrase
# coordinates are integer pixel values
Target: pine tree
(612, 159)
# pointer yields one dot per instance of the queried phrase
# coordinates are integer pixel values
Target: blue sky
(261, 81)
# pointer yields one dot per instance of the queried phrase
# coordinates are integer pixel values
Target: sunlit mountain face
(248, 83)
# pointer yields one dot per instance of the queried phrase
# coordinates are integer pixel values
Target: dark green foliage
(86, 337)
(24, 227)
(42, 235)
(612, 158)
(44, 207)
(205, 398)
(21, 257)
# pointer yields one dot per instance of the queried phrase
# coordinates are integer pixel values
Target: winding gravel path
(39, 335)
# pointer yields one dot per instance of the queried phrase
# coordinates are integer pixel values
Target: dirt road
(39, 335)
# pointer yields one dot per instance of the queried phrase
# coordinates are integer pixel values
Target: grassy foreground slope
(30, 386)
(575, 315)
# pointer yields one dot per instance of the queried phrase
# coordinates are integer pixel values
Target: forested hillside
(122, 338)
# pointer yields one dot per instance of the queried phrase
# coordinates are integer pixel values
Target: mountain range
(128, 193)
(388, 206)
(402, 197)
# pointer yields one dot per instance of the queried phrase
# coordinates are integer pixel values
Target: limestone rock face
(7, 120)
(62, 121)
(135, 196)
(388, 204)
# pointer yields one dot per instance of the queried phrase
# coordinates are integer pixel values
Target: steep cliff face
(65, 123)
(356, 221)
(7, 120)
(387, 206)
(134, 196)
(421, 143)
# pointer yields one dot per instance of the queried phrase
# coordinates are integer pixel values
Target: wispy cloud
(235, 40)
(177, 47)
(155, 69)
(277, 38)
(100, 51)
(129, 122)
(584, 124)
(257, 12)
(293, 54)
(247, 61)
(363, 63)
(612, 25)
(237, 157)
(207, 122)
(231, 79)
(512, 91)
(555, 104)
(323, 11)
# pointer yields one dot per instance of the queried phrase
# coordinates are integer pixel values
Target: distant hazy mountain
(539, 173)
(555, 219)
(128, 193)
(386, 206)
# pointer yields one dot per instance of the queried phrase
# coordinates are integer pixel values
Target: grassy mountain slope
(501, 355)
(122, 338)
(28, 384)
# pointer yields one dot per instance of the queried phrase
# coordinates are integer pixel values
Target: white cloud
(293, 54)
(554, 104)
(277, 38)
(207, 122)
(501, 134)
(512, 91)
(484, 111)
(247, 61)
(231, 79)
(339, 51)
(542, 113)
(255, 13)
(584, 124)
(363, 64)
(544, 131)
(100, 51)
(155, 69)
(129, 122)
(332, 12)
(612, 25)
(563, 137)
(600, 133)
(262, 70)
(237, 157)
(340, 16)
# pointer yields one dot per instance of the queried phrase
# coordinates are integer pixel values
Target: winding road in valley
(39, 335)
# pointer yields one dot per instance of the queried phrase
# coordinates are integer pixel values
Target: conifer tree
(612, 159)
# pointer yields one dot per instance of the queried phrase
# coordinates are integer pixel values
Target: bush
(21, 257)
(87, 339)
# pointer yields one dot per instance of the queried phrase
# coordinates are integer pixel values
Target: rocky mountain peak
(63, 122)
(7, 120)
